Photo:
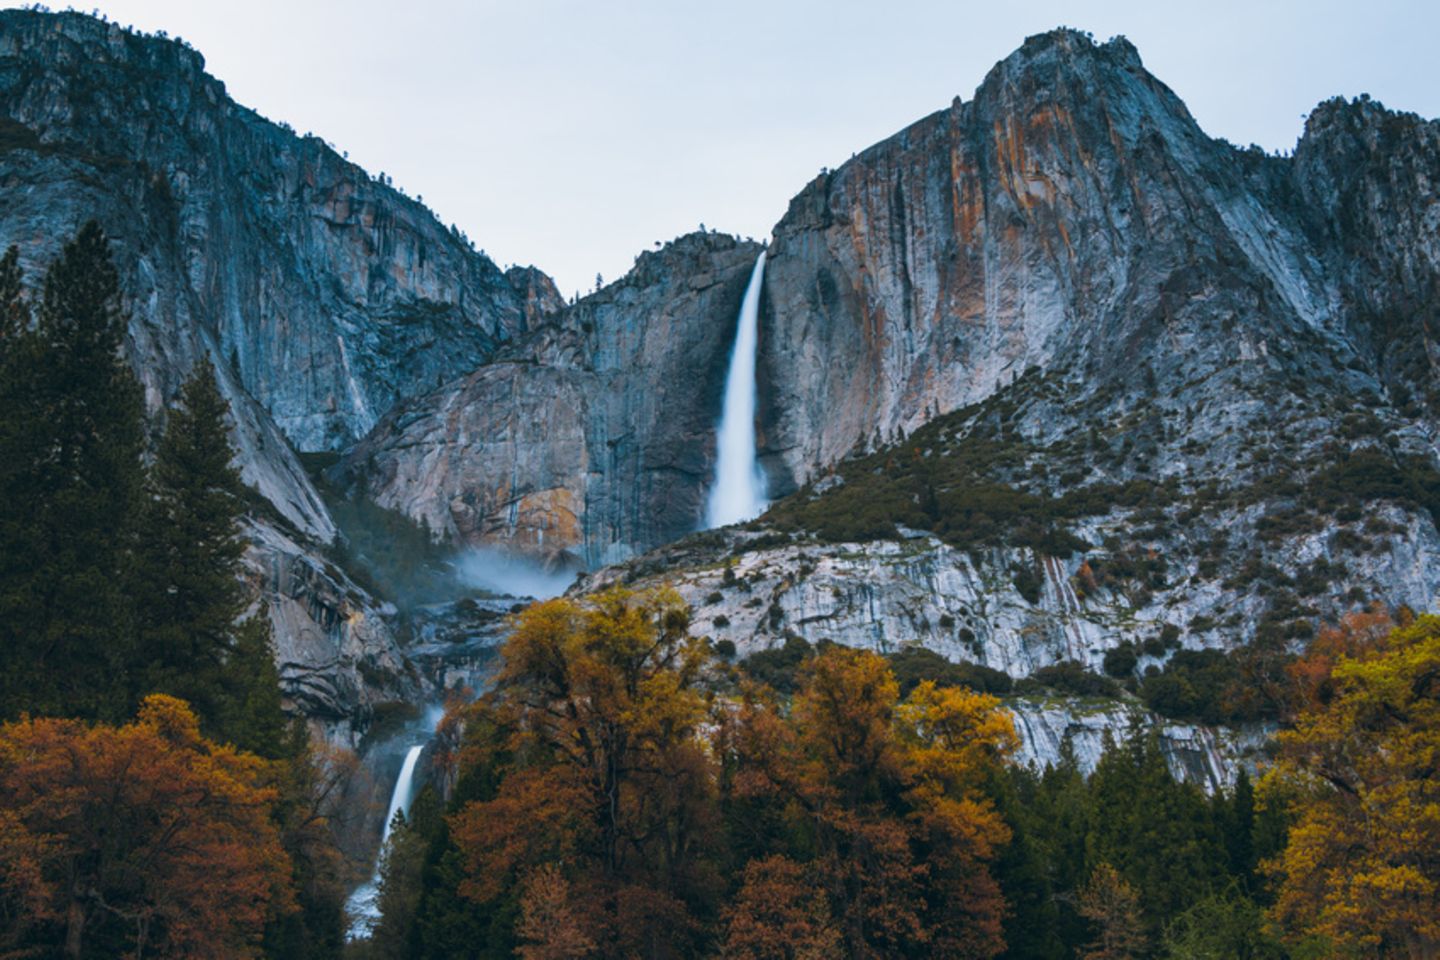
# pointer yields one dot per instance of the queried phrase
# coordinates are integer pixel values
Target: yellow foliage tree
(890, 795)
(592, 737)
(1361, 773)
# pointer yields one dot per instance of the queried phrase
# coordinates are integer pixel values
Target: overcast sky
(574, 134)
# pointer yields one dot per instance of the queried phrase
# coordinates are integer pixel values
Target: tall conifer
(251, 716)
(70, 489)
(191, 594)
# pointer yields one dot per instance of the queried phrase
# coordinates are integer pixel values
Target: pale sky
(572, 134)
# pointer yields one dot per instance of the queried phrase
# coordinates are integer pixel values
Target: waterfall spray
(738, 492)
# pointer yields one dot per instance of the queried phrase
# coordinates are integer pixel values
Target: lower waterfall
(363, 906)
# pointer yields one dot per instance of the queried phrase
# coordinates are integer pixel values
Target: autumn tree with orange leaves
(884, 800)
(1361, 871)
(1308, 679)
(624, 806)
(779, 913)
(140, 840)
(598, 805)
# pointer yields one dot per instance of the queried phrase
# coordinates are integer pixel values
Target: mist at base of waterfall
(505, 573)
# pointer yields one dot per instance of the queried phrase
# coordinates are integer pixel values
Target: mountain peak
(1062, 51)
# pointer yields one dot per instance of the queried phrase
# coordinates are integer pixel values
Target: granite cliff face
(330, 293)
(321, 294)
(593, 436)
(1071, 213)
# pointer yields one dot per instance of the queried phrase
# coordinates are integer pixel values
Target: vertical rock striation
(1071, 212)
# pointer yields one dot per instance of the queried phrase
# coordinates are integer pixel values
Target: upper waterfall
(738, 492)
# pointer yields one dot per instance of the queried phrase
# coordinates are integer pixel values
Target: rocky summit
(1048, 374)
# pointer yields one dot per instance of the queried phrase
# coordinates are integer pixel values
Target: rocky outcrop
(1366, 179)
(1209, 756)
(335, 645)
(969, 605)
(593, 437)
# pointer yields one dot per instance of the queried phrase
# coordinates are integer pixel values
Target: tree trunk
(74, 927)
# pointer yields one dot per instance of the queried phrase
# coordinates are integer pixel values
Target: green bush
(1027, 582)
(914, 665)
(1121, 661)
(777, 667)
(1199, 686)
(1069, 677)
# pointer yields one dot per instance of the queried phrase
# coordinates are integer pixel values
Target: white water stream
(363, 907)
(738, 493)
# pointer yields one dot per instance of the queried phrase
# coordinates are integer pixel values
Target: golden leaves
(1361, 772)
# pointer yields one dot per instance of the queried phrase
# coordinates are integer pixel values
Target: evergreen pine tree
(1158, 833)
(251, 715)
(20, 441)
(191, 595)
(14, 311)
(1032, 921)
(311, 785)
(70, 489)
(1238, 824)
(401, 870)
(1063, 818)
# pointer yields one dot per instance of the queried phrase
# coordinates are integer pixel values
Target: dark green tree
(190, 593)
(14, 311)
(401, 870)
(1157, 832)
(448, 925)
(70, 490)
(1032, 922)
(251, 714)
(311, 782)
(1235, 813)
(1061, 818)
